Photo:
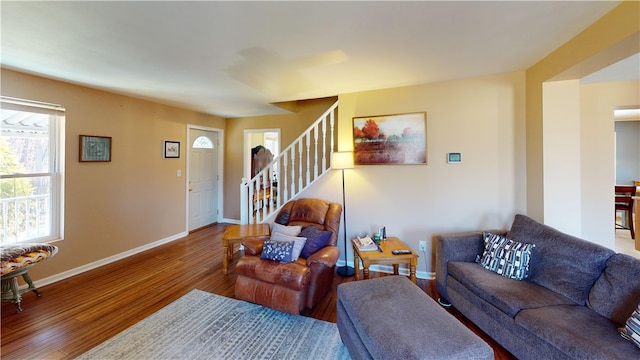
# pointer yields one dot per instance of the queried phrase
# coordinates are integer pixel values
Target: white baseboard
(389, 270)
(231, 221)
(96, 264)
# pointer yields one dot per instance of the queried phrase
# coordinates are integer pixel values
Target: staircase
(293, 170)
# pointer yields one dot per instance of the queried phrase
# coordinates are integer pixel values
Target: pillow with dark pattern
(298, 243)
(277, 250)
(631, 330)
(506, 257)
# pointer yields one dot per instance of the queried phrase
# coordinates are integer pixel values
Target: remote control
(400, 252)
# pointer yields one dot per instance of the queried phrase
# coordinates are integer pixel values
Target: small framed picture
(95, 148)
(454, 158)
(171, 149)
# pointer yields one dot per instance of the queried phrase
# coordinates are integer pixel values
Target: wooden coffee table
(234, 234)
(385, 257)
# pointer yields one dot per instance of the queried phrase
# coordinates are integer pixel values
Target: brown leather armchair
(292, 286)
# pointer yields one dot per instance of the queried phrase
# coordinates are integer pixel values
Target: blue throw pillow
(277, 250)
(316, 240)
(298, 243)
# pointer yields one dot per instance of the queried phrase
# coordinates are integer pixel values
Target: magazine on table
(366, 244)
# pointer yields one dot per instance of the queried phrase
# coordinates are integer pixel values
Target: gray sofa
(570, 306)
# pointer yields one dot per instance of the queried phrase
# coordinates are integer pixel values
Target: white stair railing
(293, 170)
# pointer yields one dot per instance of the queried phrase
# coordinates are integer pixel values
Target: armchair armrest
(456, 247)
(327, 256)
(253, 246)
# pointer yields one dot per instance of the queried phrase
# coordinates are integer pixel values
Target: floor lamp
(341, 160)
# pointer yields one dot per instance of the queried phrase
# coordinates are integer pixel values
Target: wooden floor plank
(78, 313)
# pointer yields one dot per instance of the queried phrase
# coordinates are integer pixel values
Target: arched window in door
(202, 142)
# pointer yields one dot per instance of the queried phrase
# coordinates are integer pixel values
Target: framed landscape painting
(390, 139)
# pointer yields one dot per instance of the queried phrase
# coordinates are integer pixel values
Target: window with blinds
(31, 171)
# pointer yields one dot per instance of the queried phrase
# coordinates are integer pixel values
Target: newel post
(244, 201)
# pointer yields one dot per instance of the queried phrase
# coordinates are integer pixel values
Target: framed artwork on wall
(171, 149)
(390, 139)
(95, 148)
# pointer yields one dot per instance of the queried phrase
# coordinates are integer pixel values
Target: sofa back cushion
(560, 262)
(616, 293)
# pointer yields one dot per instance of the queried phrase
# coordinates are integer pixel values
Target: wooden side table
(385, 257)
(234, 234)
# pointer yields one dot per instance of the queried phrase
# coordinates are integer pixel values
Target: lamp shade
(342, 160)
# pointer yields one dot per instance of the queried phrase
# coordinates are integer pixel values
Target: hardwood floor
(78, 313)
(625, 244)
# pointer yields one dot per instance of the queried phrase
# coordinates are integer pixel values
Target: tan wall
(598, 155)
(135, 199)
(291, 125)
(612, 38)
(138, 199)
(483, 118)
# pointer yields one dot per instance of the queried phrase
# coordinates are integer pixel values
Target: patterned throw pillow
(277, 250)
(506, 257)
(298, 243)
(316, 240)
(631, 330)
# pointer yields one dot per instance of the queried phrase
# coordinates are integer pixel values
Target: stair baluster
(278, 182)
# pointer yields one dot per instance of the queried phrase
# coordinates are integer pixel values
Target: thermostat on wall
(454, 158)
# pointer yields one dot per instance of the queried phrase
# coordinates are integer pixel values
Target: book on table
(366, 244)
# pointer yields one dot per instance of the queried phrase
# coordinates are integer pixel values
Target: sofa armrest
(456, 247)
(327, 256)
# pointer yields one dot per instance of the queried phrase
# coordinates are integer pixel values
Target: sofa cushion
(277, 250)
(298, 243)
(578, 331)
(306, 212)
(14, 257)
(560, 262)
(505, 257)
(631, 330)
(316, 240)
(293, 275)
(616, 292)
(508, 295)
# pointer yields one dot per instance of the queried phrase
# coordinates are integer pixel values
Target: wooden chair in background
(624, 202)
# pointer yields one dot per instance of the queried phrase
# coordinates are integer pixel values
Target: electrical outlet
(423, 246)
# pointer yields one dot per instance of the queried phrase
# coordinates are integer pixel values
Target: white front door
(203, 178)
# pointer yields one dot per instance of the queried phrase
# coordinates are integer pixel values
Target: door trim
(246, 148)
(220, 171)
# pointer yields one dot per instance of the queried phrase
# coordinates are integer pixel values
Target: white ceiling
(234, 58)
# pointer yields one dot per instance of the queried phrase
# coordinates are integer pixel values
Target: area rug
(202, 325)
